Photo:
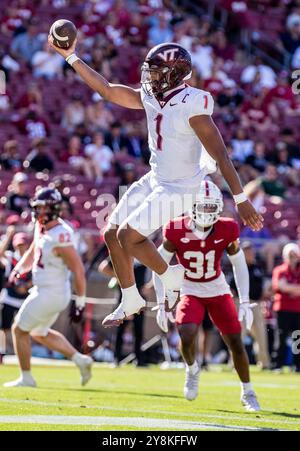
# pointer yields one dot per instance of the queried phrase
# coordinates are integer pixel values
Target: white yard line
(116, 421)
(159, 412)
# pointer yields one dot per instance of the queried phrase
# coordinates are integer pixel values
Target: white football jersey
(48, 269)
(175, 149)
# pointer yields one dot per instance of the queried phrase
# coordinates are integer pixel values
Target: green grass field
(145, 399)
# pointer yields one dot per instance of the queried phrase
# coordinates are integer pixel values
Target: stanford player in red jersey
(199, 241)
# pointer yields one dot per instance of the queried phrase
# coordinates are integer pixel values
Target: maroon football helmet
(46, 205)
(166, 66)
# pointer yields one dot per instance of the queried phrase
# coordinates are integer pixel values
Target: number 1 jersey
(175, 148)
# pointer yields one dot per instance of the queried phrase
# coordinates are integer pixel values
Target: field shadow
(101, 390)
(264, 413)
(287, 415)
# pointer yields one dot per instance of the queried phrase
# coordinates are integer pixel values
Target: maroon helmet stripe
(206, 188)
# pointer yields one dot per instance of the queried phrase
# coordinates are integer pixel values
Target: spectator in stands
(5, 100)
(74, 113)
(8, 63)
(38, 159)
(287, 136)
(242, 145)
(258, 160)
(255, 115)
(100, 155)
(281, 98)
(259, 74)
(127, 173)
(31, 99)
(221, 47)
(11, 20)
(34, 125)
(25, 45)
(116, 139)
(135, 142)
(230, 96)
(286, 286)
(75, 157)
(10, 159)
(137, 30)
(215, 82)
(17, 198)
(296, 59)
(160, 32)
(256, 279)
(270, 183)
(47, 63)
(60, 184)
(98, 115)
(290, 39)
(284, 163)
(202, 56)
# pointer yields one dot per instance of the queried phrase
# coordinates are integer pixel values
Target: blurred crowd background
(55, 130)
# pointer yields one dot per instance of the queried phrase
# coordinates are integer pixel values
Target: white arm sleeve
(241, 274)
(158, 286)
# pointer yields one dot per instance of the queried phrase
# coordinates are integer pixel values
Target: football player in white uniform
(51, 257)
(181, 133)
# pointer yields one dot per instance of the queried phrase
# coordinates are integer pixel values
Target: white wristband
(239, 198)
(72, 58)
(80, 301)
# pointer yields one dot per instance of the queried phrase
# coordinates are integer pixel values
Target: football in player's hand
(64, 33)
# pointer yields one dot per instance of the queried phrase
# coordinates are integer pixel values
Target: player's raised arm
(118, 94)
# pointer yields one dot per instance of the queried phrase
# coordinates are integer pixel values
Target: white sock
(77, 358)
(129, 293)
(26, 375)
(246, 387)
(193, 368)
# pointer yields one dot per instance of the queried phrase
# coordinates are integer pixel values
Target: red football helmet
(165, 67)
(46, 205)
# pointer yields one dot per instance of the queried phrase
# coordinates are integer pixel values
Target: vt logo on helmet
(166, 66)
(46, 205)
(208, 206)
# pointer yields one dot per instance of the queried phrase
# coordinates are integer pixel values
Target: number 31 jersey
(175, 148)
(49, 270)
(202, 257)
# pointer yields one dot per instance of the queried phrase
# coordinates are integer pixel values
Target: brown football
(63, 32)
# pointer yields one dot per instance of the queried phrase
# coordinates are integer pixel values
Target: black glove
(76, 313)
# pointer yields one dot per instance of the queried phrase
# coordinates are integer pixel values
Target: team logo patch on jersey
(185, 240)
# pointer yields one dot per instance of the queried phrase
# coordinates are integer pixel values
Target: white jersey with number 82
(49, 270)
(175, 148)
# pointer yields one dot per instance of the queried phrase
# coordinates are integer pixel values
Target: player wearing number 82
(181, 133)
(51, 257)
